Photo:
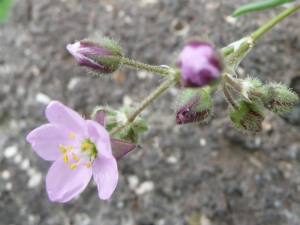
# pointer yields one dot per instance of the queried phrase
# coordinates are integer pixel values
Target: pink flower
(200, 64)
(80, 148)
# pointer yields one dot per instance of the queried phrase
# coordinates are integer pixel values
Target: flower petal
(99, 117)
(100, 137)
(57, 113)
(46, 139)
(105, 173)
(63, 183)
(120, 148)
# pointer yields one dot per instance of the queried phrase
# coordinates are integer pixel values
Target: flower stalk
(150, 68)
(262, 30)
(160, 89)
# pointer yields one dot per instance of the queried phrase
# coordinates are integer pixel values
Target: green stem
(262, 30)
(146, 67)
(164, 86)
(227, 51)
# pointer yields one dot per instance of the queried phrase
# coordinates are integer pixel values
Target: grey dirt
(196, 174)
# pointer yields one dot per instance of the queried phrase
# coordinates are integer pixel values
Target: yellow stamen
(72, 135)
(70, 147)
(65, 158)
(75, 156)
(85, 146)
(73, 165)
(88, 165)
(62, 148)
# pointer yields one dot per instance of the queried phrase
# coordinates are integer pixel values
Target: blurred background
(195, 174)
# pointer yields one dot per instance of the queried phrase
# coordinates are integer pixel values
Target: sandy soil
(176, 172)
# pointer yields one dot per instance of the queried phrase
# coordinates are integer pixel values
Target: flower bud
(281, 99)
(113, 118)
(200, 64)
(193, 105)
(254, 90)
(99, 54)
(247, 116)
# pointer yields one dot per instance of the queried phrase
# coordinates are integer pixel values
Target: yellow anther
(73, 165)
(75, 156)
(72, 135)
(85, 146)
(65, 158)
(88, 165)
(70, 147)
(62, 148)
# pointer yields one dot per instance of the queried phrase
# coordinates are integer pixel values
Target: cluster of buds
(247, 114)
(201, 67)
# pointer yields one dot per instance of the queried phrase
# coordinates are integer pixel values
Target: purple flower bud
(247, 117)
(193, 105)
(200, 64)
(102, 55)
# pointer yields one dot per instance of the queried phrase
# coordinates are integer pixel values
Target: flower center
(82, 155)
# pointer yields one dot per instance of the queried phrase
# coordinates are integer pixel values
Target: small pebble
(133, 181)
(202, 142)
(142, 75)
(205, 220)
(72, 83)
(8, 186)
(10, 151)
(172, 159)
(5, 175)
(230, 19)
(17, 158)
(127, 101)
(161, 222)
(24, 164)
(109, 8)
(34, 180)
(145, 187)
(120, 205)
(42, 98)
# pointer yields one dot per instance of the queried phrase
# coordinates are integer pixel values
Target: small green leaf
(255, 6)
(5, 6)
(140, 126)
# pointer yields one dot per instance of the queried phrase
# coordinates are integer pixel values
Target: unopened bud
(193, 105)
(113, 118)
(256, 90)
(247, 117)
(100, 54)
(281, 99)
(200, 64)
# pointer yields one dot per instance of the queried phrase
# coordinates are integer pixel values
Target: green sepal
(193, 105)
(247, 117)
(281, 99)
(115, 117)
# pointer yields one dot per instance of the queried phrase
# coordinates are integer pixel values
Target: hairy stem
(146, 67)
(160, 89)
(262, 30)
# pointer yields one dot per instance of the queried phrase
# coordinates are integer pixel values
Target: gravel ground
(205, 174)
